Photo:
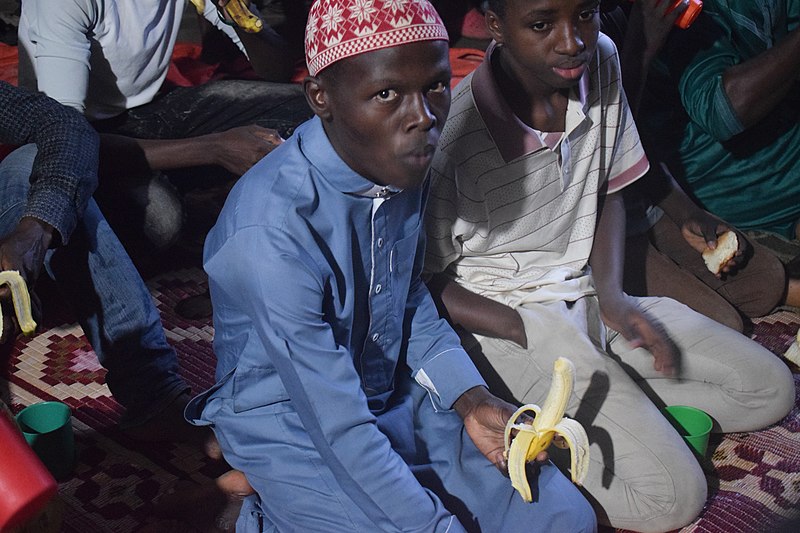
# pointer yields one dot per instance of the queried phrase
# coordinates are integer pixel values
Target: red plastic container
(688, 16)
(25, 484)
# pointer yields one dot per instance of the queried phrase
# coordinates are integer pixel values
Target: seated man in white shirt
(109, 59)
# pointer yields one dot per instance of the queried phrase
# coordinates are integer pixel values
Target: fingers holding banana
(532, 439)
(235, 12)
(21, 301)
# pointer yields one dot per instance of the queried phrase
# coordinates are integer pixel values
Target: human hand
(240, 148)
(240, 14)
(641, 331)
(485, 417)
(701, 231)
(22, 250)
(652, 21)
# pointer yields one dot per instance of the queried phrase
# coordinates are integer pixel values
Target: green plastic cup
(693, 425)
(47, 426)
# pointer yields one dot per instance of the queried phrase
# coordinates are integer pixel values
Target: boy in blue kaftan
(343, 397)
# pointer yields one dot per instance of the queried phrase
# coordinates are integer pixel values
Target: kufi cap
(337, 29)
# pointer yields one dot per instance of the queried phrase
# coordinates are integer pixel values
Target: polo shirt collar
(513, 137)
(323, 156)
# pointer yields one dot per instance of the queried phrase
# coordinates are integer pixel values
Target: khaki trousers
(642, 476)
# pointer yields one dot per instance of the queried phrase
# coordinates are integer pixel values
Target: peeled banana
(549, 421)
(238, 11)
(21, 300)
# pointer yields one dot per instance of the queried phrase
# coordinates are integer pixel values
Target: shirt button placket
(379, 260)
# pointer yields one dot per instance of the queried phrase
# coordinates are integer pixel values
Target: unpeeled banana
(239, 12)
(549, 421)
(21, 300)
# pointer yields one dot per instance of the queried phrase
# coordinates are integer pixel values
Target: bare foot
(212, 507)
(195, 307)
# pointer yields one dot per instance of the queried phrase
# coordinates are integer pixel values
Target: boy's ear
(316, 96)
(495, 25)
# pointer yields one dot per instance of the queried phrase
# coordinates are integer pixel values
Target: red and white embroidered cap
(337, 29)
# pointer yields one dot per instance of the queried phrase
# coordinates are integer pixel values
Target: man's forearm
(129, 156)
(754, 87)
(676, 203)
(475, 313)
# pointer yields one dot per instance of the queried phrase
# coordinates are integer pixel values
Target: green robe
(750, 178)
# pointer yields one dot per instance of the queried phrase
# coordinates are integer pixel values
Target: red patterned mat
(754, 480)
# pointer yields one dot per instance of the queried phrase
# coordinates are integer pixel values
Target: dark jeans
(212, 107)
(110, 300)
(148, 213)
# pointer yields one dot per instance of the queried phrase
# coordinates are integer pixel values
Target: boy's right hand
(643, 332)
(701, 231)
(485, 417)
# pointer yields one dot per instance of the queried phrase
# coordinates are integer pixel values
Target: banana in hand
(549, 421)
(237, 11)
(21, 300)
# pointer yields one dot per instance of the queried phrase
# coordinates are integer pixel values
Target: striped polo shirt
(512, 211)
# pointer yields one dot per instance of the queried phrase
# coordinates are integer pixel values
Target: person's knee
(780, 383)
(728, 316)
(162, 211)
(148, 217)
(762, 289)
(673, 510)
(690, 497)
(655, 485)
(18, 164)
(760, 392)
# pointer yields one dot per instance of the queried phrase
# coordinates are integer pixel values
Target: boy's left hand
(485, 416)
(643, 332)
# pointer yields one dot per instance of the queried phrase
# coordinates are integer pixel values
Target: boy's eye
(439, 87)
(386, 95)
(590, 13)
(539, 26)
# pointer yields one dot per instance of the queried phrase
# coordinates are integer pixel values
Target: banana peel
(548, 422)
(237, 11)
(21, 300)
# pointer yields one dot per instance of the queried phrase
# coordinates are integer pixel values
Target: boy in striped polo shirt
(525, 228)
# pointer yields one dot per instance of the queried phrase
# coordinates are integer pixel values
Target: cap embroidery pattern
(337, 29)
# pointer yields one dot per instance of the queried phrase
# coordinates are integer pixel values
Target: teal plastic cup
(47, 426)
(693, 424)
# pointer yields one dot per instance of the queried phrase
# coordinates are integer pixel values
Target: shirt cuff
(63, 219)
(447, 376)
(729, 124)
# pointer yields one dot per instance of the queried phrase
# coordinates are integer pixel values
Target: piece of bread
(793, 352)
(715, 259)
